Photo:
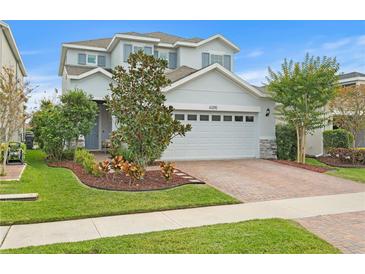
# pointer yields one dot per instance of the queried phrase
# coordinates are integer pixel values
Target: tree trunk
(300, 144)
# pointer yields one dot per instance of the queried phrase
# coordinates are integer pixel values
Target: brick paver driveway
(262, 180)
(345, 231)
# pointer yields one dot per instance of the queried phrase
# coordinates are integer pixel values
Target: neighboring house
(230, 118)
(10, 57)
(315, 141)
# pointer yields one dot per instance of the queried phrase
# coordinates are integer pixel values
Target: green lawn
(62, 197)
(356, 174)
(258, 236)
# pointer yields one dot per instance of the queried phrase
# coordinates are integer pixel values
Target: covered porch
(101, 132)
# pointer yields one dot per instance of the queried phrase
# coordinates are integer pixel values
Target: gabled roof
(230, 75)
(180, 73)
(80, 72)
(10, 38)
(164, 37)
(160, 39)
(98, 43)
(351, 75)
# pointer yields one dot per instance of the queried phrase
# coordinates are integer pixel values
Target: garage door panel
(215, 139)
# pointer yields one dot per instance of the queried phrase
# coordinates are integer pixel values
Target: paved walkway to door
(346, 231)
(94, 228)
(262, 180)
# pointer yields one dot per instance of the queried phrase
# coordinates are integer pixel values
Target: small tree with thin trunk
(349, 109)
(302, 90)
(143, 120)
(80, 111)
(13, 96)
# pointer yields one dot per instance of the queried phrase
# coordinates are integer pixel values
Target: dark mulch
(336, 162)
(153, 179)
(304, 166)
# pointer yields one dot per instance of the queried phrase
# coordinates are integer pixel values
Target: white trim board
(215, 108)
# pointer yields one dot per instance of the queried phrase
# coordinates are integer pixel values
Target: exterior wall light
(267, 112)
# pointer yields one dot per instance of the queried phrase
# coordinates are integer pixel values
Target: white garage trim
(205, 107)
(233, 138)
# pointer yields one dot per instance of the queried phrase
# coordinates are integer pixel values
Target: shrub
(117, 163)
(87, 160)
(104, 166)
(133, 170)
(348, 155)
(167, 170)
(286, 140)
(337, 138)
(68, 154)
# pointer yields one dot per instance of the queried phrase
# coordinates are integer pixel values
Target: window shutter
(205, 59)
(227, 62)
(82, 59)
(172, 60)
(127, 50)
(101, 61)
(148, 50)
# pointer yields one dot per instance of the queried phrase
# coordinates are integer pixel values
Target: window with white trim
(81, 59)
(91, 59)
(192, 117)
(249, 119)
(216, 59)
(101, 60)
(179, 117)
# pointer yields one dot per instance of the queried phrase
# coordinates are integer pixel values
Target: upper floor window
(148, 50)
(172, 60)
(224, 60)
(81, 59)
(101, 61)
(91, 59)
(127, 50)
(216, 59)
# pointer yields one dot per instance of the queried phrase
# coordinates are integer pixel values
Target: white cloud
(361, 40)
(337, 44)
(30, 52)
(255, 53)
(256, 77)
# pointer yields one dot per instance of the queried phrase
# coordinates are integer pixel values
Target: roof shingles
(164, 38)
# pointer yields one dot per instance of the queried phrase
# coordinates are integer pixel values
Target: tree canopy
(143, 120)
(302, 91)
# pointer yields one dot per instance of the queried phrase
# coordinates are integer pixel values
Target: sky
(263, 44)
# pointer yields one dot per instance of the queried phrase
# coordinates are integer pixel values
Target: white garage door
(215, 136)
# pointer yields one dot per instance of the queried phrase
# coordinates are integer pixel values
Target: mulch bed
(153, 179)
(336, 162)
(304, 166)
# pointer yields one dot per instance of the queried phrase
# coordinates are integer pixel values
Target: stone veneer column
(268, 149)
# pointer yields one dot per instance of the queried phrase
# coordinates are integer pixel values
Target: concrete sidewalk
(93, 228)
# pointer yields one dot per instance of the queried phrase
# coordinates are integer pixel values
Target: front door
(92, 139)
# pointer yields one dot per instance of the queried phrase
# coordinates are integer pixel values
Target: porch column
(114, 127)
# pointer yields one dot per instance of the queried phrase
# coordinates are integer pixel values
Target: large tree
(349, 109)
(302, 91)
(13, 96)
(143, 120)
(80, 112)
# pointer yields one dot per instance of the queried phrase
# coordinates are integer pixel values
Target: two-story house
(230, 118)
(10, 58)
